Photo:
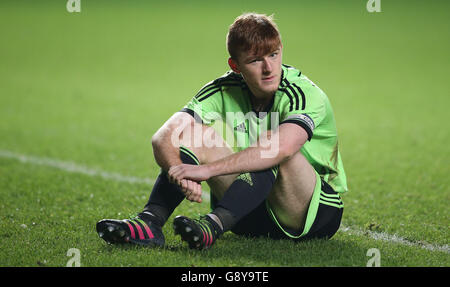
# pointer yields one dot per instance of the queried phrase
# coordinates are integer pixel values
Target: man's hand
(188, 177)
(196, 173)
(192, 190)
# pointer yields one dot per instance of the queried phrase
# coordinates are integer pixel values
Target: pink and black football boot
(140, 230)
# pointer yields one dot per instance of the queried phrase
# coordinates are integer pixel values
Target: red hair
(254, 33)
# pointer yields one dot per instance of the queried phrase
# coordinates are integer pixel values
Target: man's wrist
(211, 170)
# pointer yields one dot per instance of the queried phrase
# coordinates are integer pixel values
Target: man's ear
(233, 65)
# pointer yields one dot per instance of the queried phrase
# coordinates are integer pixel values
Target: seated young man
(283, 177)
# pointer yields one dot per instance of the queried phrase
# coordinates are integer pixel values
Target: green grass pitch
(82, 93)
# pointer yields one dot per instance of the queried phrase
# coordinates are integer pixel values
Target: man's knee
(196, 135)
(296, 164)
(205, 142)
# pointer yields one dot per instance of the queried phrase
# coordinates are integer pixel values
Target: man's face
(261, 73)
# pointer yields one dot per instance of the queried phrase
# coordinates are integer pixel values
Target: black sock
(244, 195)
(166, 196)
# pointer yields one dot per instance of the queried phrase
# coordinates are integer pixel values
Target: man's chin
(270, 89)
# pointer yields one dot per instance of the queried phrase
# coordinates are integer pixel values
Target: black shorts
(323, 218)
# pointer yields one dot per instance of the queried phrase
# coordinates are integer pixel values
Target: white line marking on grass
(77, 168)
(74, 168)
(394, 239)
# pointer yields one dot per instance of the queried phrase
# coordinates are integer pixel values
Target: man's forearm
(248, 160)
(272, 148)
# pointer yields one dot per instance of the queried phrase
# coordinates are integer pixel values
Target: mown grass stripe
(76, 168)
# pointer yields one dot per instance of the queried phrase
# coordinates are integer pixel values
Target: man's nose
(267, 66)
